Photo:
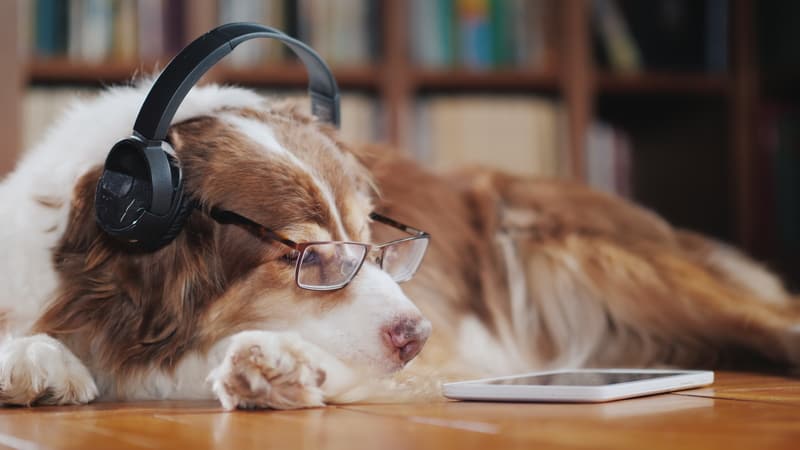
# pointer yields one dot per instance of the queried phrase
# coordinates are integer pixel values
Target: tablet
(585, 385)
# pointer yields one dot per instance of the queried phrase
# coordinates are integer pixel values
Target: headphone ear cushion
(185, 209)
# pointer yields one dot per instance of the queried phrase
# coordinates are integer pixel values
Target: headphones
(139, 198)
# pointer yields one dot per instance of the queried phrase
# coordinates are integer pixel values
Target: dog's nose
(408, 336)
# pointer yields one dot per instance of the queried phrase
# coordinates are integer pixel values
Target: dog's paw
(42, 371)
(265, 369)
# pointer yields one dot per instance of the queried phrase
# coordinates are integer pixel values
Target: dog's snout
(407, 337)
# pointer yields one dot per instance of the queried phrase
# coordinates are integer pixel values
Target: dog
(520, 274)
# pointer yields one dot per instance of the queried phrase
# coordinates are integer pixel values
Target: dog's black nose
(408, 336)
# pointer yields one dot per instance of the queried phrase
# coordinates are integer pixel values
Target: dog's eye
(290, 257)
(310, 257)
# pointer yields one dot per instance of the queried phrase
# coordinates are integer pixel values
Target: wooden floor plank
(663, 421)
(699, 419)
(783, 389)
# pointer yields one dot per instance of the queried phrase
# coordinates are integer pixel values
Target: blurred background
(685, 106)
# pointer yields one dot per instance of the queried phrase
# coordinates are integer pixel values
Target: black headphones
(139, 198)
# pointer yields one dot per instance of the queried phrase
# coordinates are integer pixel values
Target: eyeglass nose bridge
(376, 254)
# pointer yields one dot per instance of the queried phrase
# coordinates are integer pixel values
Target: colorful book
(475, 36)
(50, 18)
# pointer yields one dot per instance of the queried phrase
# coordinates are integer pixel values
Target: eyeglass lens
(401, 259)
(332, 265)
(329, 265)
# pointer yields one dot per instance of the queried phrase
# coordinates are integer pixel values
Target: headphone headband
(183, 72)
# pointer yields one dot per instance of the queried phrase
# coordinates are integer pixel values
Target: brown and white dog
(521, 274)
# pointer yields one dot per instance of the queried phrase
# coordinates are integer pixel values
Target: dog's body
(521, 274)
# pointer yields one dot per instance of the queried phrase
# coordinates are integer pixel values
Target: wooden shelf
(62, 70)
(279, 75)
(502, 79)
(663, 83)
(294, 75)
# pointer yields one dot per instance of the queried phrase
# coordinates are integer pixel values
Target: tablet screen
(582, 378)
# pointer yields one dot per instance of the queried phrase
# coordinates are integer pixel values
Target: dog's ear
(122, 309)
(82, 229)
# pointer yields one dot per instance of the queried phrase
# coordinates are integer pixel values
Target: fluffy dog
(520, 274)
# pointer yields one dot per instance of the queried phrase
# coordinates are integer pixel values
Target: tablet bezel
(480, 390)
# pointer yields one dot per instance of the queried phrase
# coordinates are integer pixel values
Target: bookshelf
(586, 91)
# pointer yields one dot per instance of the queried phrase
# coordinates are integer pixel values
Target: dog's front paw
(265, 369)
(40, 370)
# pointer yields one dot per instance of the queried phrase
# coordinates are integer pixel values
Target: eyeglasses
(331, 265)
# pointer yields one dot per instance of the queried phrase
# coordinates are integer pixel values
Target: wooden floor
(738, 411)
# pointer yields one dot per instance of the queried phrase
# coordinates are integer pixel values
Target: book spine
(96, 35)
(621, 48)
(251, 53)
(50, 38)
(150, 29)
(445, 12)
(374, 26)
(75, 26)
(717, 20)
(124, 46)
(501, 32)
(274, 16)
(475, 39)
(174, 26)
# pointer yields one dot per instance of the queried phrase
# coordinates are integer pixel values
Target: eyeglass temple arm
(393, 223)
(226, 217)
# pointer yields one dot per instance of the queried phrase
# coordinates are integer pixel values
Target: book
(475, 33)
(125, 31)
(42, 106)
(339, 31)
(344, 32)
(150, 30)
(502, 33)
(669, 35)
(619, 45)
(174, 24)
(482, 34)
(248, 53)
(717, 26)
(50, 22)
(608, 159)
(96, 32)
(516, 134)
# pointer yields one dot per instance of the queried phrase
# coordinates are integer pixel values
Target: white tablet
(585, 385)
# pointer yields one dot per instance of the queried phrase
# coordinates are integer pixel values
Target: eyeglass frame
(227, 217)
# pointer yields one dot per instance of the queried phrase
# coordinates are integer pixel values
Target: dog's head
(279, 168)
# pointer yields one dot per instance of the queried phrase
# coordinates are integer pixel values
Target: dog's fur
(521, 274)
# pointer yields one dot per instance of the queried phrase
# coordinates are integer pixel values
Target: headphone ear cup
(184, 210)
(139, 198)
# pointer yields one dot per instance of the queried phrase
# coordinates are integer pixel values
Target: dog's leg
(41, 370)
(280, 370)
